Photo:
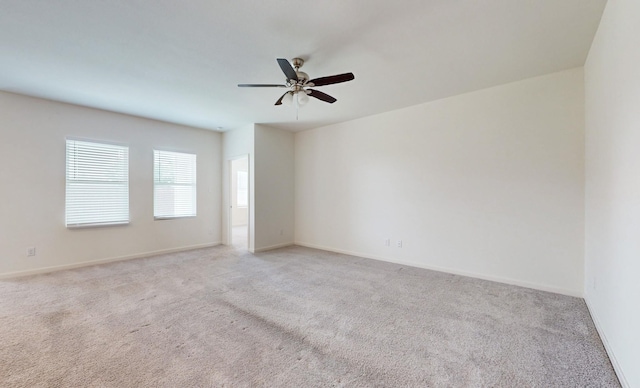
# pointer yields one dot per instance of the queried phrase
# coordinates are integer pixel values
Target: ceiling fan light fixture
(297, 81)
(302, 97)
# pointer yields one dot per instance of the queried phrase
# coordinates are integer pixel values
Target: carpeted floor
(293, 317)
(240, 237)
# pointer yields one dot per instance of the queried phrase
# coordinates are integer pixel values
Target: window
(174, 184)
(97, 189)
(242, 191)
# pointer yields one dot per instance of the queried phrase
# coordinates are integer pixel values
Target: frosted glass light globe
(302, 97)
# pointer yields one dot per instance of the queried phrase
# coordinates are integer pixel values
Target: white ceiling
(180, 61)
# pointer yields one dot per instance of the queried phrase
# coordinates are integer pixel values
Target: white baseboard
(616, 365)
(514, 282)
(270, 247)
(62, 267)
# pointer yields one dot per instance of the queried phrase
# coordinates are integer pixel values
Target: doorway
(239, 203)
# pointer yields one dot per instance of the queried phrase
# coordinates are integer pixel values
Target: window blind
(174, 189)
(97, 184)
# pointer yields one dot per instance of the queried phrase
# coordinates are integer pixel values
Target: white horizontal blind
(174, 184)
(97, 190)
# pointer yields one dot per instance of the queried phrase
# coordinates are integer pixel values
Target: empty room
(357, 193)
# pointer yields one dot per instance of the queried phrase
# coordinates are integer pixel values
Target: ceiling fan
(298, 83)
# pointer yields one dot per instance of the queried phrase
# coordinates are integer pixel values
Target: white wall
(236, 144)
(271, 182)
(612, 79)
(32, 198)
(489, 183)
(274, 187)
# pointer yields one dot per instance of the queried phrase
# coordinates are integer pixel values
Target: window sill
(96, 225)
(171, 218)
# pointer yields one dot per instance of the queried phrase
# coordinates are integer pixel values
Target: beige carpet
(292, 317)
(240, 237)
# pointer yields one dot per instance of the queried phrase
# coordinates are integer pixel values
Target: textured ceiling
(180, 61)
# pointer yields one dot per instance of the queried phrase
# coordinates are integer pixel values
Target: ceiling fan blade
(332, 79)
(321, 96)
(279, 102)
(261, 86)
(287, 69)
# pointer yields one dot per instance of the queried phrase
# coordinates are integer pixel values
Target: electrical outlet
(31, 251)
(387, 242)
(399, 243)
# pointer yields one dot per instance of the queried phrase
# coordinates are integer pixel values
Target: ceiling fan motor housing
(302, 77)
